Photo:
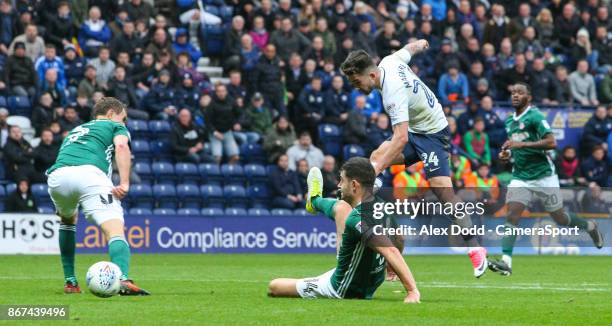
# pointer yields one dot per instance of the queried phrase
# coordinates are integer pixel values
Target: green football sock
(573, 220)
(325, 206)
(67, 244)
(119, 252)
(508, 241)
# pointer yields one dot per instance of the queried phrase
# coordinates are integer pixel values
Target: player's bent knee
(72, 220)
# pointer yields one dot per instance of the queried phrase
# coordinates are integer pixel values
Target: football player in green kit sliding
(533, 174)
(361, 260)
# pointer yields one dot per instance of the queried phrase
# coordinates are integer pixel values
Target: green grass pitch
(231, 289)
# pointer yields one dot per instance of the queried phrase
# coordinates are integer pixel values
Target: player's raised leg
(571, 220)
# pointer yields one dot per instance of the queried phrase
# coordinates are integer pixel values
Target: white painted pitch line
(518, 286)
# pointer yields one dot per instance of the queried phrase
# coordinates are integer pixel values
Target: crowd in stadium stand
(284, 103)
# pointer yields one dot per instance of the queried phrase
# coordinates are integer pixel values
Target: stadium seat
(19, 105)
(165, 196)
(189, 195)
(2, 198)
(159, 129)
(258, 195)
(2, 191)
(161, 150)
(164, 211)
(143, 170)
(256, 173)
(226, 13)
(235, 196)
(3, 102)
(140, 148)
(188, 211)
(331, 137)
(212, 211)
(213, 10)
(301, 212)
(234, 211)
(213, 35)
(212, 195)
(40, 193)
(163, 172)
(253, 153)
(140, 211)
(281, 212)
(210, 173)
(138, 128)
(46, 210)
(258, 212)
(187, 173)
(352, 150)
(10, 188)
(233, 174)
(569, 200)
(141, 196)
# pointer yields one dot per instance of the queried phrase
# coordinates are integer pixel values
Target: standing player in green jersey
(81, 177)
(533, 174)
(360, 269)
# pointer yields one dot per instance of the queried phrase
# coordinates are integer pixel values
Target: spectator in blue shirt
(182, 44)
(312, 106)
(48, 61)
(336, 102)
(453, 86)
(373, 103)
(438, 9)
(94, 33)
(285, 186)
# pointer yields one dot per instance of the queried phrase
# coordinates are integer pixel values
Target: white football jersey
(407, 98)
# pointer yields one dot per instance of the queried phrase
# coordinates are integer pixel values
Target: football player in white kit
(420, 129)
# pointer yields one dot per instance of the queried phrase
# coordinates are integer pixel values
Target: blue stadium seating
(213, 35)
(141, 196)
(235, 211)
(3, 102)
(352, 150)
(2, 198)
(331, 137)
(258, 195)
(159, 129)
(256, 173)
(258, 212)
(161, 150)
(210, 173)
(301, 212)
(235, 196)
(212, 195)
(144, 172)
(233, 174)
(39, 191)
(164, 211)
(212, 211)
(10, 188)
(20, 105)
(226, 13)
(253, 153)
(188, 211)
(138, 128)
(140, 211)
(163, 172)
(165, 196)
(46, 210)
(189, 195)
(281, 212)
(212, 9)
(187, 173)
(140, 148)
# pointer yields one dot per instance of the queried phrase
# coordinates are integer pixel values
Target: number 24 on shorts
(432, 158)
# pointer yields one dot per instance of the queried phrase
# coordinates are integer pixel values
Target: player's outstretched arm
(412, 49)
(397, 262)
(123, 157)
(393, 149)
(548, 142)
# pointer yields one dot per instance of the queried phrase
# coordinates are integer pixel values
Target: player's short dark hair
(360, 169)
(526, 86)
(357, 62)
(106, 104)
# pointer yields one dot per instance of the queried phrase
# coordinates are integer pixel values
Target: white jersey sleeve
(407, 98)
